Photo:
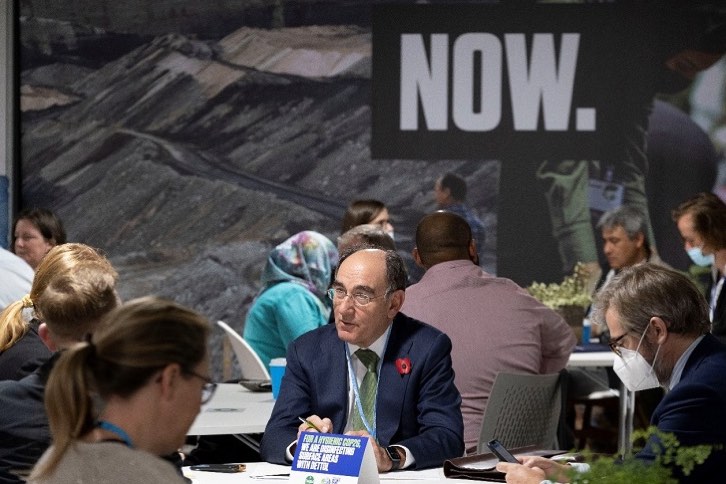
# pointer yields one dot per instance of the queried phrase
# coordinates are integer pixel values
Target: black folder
(481, 467)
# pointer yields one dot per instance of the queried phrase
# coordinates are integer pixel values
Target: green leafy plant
(670, 454)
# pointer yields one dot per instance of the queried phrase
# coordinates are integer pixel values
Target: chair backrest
(523, 410)
(250, 364)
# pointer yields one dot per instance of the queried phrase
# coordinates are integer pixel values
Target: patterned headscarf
(307, 258)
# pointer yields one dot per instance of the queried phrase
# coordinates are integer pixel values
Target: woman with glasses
(292, 300)
(118, 402)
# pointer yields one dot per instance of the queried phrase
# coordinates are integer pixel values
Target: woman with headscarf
(293, 298)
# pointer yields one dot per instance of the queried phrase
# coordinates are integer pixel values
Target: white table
(234, 410)
(263, 472)
(238, 411)
(627, 398)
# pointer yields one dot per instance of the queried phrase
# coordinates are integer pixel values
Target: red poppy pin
(403, 365)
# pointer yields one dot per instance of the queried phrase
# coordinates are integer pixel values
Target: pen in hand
(309, 424)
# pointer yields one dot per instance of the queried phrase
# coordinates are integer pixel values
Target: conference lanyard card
(605, 196)
(333, 459)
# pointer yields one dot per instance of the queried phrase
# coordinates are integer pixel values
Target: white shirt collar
(378, 346)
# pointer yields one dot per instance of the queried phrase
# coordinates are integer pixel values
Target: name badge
(333, 459)
(605, 196)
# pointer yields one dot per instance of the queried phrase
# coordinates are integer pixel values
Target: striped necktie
(368, 390)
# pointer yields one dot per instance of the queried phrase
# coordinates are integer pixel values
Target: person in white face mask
(701, 221)
(659, 328)
(632, 368)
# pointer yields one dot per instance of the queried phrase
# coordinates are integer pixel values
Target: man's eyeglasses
(337, 294)
(209, 386)
(614, 344)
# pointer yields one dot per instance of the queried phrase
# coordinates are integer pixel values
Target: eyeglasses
(208, 388)
(337, 294)
(614, 344)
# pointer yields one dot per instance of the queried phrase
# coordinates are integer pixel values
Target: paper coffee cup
(277, 370)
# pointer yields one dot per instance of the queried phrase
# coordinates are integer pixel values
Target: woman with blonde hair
(74, 285)
(129, 395)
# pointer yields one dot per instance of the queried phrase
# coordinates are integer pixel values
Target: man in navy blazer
(418, 419)
(659, 328)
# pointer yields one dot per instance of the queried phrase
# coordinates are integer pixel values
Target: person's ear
(396, 302)
(46, 337)
(169, 381)
(660, 329)
(417, 258)
(639, 240)
(473, 254)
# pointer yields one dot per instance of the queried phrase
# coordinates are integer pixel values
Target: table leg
(625, 421)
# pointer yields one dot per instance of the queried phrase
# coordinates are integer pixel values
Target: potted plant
(570, 298)
(670, 455)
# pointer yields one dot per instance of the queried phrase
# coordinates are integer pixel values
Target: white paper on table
(434, 474)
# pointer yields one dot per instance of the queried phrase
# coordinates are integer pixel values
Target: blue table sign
(333, 459)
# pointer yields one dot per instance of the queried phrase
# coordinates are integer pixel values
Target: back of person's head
(361, 212)
(73, 288)
(47, 223)
(307, 258)
(369, 234)
(643, 291)
(131, 345)
(708, 212)
(456, 186)
(396, 275)
(442, 236)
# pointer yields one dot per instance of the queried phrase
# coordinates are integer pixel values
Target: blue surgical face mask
(699, 258)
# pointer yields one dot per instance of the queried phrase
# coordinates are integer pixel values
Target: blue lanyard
(356, 392)
(115, 429)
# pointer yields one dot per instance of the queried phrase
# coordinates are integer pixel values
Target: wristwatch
(395, 456)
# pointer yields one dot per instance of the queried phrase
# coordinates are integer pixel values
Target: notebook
(255, 376)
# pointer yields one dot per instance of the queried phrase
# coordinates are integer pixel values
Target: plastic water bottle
(586, 331)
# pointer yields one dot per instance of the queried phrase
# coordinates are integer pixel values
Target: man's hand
(324, 425)
(519, 474)
(384, 463)
(535, 467)
(554, 470)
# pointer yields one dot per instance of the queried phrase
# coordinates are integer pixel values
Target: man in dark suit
(414, 416)
(659, 328)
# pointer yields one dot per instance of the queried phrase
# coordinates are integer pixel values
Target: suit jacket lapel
(390, 402)
(332, 374)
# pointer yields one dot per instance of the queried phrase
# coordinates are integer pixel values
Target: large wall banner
(560, 94)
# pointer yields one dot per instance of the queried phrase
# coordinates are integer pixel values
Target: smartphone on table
(501, 452)
(219, 467)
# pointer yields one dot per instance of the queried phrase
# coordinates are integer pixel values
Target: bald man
(494, 324)
(412, 414)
